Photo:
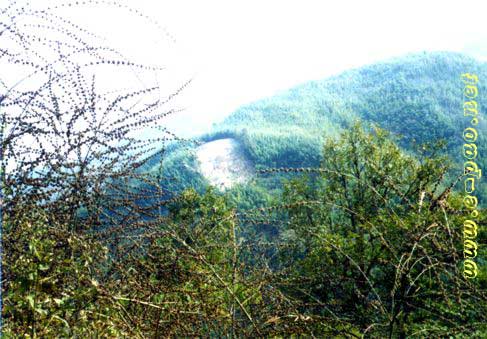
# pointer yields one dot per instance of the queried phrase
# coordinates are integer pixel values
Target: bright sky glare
(240, 51)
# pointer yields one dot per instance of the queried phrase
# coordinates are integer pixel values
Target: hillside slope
(417, 96)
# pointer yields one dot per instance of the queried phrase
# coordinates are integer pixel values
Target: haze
(237, 52)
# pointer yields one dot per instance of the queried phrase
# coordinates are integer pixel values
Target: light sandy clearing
(223, 163)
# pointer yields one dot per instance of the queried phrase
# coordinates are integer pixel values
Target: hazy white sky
(240, 51)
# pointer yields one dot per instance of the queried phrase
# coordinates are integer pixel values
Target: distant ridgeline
(418, 97)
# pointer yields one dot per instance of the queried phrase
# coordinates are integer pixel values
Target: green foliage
(186, 278)
(367, 244)
(51, 286)
(418, 97)
(267, 148)
(376, 241)
(178, 170)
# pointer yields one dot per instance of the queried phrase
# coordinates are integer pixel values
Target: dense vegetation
(418, 97)
(347, 231)
(357, 252)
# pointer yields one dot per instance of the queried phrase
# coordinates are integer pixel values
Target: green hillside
(347, 250)
(417, 97)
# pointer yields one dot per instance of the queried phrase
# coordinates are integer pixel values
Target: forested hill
(418, 96)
